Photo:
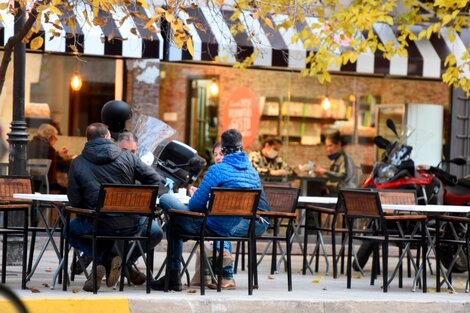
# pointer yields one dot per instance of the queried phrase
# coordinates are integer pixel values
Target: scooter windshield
(400, 151)
(153, 134)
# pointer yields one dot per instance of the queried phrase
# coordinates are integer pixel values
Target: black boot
(175, 282)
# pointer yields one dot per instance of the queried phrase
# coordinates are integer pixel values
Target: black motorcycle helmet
(115, 113)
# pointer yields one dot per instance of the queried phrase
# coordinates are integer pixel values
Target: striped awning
(118, 37)
(212, 38)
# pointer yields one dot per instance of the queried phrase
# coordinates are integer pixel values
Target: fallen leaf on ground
(46, 285)
(315, 281)
(270, 277)
(191, 291)
(48, 270)
(357, 276)
(76, 290)
(34, 290)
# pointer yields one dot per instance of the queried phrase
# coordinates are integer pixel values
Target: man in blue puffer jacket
(235, 171)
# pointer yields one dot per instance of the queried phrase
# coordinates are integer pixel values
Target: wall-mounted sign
(242, 112)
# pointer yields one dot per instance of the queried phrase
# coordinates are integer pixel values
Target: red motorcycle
(396, 170)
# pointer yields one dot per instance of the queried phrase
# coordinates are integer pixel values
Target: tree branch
(12, 42)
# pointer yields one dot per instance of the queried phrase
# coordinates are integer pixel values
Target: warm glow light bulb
(214, 88)
(326, 103)
(76, 82)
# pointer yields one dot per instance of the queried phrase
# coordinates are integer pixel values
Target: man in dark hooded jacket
(103, 162)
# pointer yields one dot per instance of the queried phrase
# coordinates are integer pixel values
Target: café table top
(42, 197)
(429, 208)
(317, 200)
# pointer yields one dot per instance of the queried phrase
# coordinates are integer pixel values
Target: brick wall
(174, 89)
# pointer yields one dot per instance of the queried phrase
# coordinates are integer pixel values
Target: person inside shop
(102, 161)
(234, 171)
(41, 146)
(268, 161)
(342, 170)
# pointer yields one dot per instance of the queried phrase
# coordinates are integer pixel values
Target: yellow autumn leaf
(55, 10)
(219, 2)
(73, 48)
(36, 43)
(189, 45)
(143, 3)
(268, 22)
(170, 18)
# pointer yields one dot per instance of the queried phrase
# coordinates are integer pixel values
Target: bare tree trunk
(12, 42)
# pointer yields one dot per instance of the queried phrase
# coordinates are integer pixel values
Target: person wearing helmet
(115, 114)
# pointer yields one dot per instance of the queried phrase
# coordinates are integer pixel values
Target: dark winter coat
(103, 162)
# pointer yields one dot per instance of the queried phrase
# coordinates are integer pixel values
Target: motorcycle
(178, 163)
(396, 170)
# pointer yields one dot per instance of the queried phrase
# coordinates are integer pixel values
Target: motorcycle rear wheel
(447, 253)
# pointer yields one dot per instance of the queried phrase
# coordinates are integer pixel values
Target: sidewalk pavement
(311, 293)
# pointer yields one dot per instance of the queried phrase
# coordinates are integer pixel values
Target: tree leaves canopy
(340, 31)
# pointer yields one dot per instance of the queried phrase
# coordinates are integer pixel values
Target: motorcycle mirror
(381, 142)
(391, 125)
(458, 161)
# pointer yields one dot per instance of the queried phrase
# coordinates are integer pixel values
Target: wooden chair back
(10, 185)
(361, 203)
(394, 196)
(138, 199)
(234, 201)
(282, 199)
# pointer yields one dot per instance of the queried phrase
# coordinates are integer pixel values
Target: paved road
(311, 293)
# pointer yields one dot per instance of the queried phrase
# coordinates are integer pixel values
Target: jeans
(81, 226)
(192, 226)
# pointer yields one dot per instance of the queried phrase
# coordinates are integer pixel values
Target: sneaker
(227, 284)
(100, 272)
(135, 276)
(114, 272)
(175, 283)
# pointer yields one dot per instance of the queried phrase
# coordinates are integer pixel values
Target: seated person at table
(102, 161)
(342, 171)
(267, 161)
(235, 171)
(227, 259)
(42, 147)
(127, 141)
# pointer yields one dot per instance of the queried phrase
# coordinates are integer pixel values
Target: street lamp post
(18, 137)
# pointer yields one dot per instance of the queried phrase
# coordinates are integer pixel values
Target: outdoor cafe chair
(366, 204)
(453, 232)
(283, 204)
(123, 200)
(240, 247)
(10, 185)
(223, 202)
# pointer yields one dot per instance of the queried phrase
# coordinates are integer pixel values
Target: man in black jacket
(103, 162)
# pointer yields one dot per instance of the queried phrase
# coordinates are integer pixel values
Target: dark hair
(127, 136)
(335, 138)
(232, 141)
(96, 130)
(217, 144)
(272, 141)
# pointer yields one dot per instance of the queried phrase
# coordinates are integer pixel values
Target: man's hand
(192, 190)
(320, 171)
